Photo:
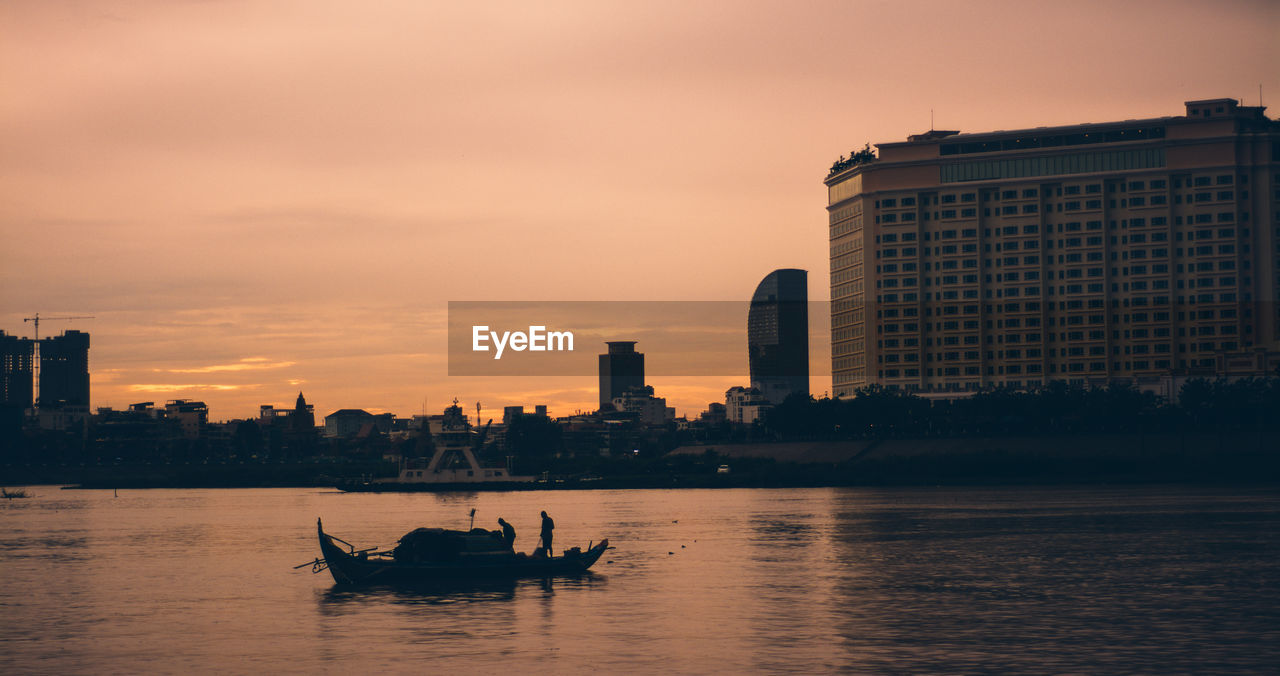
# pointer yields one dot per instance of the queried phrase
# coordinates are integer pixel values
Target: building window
(1107, 160)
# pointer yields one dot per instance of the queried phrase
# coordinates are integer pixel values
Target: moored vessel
(454, 463)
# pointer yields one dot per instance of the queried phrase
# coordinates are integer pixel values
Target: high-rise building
(778, 335)
(1119, 251)
(621, 369)
(15, 371)
(64, 370)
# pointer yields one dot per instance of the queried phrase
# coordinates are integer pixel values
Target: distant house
(715, 414)
(347, 422)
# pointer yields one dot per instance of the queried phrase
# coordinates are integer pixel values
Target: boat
(428, 555)
(453, 465)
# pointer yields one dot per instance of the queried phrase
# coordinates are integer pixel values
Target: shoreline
(1262, 471)
(953, 461)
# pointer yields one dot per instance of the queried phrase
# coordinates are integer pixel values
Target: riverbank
(1079, 459)
(230, 475)
(1097, 458)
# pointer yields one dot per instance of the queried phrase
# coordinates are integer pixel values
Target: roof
(1087, 126)
(350, 412)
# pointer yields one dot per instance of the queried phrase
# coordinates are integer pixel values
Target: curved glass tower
(778, 335)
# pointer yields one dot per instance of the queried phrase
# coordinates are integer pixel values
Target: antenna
(930, 119)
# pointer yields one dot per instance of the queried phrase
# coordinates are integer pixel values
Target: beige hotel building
(1136, 251)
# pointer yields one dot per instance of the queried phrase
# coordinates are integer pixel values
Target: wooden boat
(437, 554)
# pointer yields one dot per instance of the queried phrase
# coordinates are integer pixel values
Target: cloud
(247, 364)
(204, 387)
(106, 375)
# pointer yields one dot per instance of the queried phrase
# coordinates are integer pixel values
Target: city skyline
(253, 200)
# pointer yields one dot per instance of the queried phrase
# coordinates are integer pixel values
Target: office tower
(621, 369)
(64, 370)
(15, 371)
(778, 335)
(1126, 251)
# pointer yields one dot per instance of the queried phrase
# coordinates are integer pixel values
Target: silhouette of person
(508, 533)
(547, 526)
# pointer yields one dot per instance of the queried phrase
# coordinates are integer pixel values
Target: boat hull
(353, 569)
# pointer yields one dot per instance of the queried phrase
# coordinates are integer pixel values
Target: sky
(257, 198)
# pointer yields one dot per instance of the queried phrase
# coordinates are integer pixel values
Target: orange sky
(254, 198)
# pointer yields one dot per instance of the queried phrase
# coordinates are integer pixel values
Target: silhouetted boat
(433, 554)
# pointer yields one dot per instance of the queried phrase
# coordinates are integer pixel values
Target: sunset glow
(257, 198)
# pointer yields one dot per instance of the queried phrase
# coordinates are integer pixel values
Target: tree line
(1202, 406)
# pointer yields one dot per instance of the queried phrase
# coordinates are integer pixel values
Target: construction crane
(36, 320)
(35, 356)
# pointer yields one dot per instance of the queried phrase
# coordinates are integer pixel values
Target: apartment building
(1093, 253)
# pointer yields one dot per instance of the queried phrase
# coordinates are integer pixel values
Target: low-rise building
(346, 423)
(745, 405)
(648, 409)
(190, 415)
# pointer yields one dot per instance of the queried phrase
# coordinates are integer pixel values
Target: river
(831, 580)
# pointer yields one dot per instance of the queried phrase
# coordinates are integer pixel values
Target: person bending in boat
(547, 526)
(508, 533)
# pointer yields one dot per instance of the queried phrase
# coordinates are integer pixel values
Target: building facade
(778, 335)
(745, 405)
(350, 422)
(1126, 251)
(648, 409)
(191, 416)
(64, 371)
(16, 377)
(621, 369)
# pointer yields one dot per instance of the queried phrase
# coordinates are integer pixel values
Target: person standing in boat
(547, 526)
(508, 533)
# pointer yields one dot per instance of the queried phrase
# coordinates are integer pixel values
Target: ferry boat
(453, 464)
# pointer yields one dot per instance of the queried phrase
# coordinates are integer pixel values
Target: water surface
(1151, 579)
